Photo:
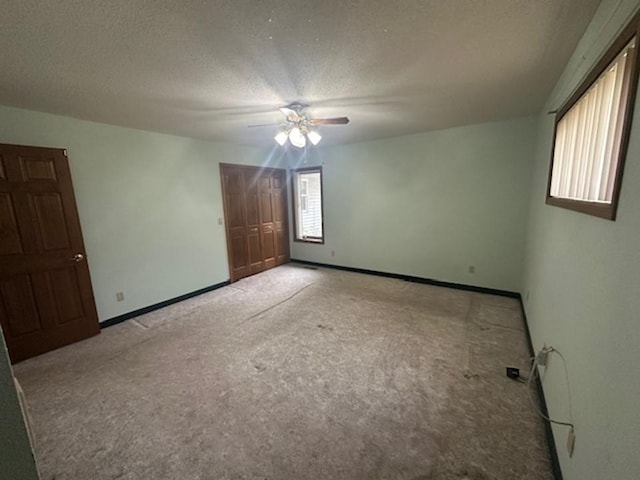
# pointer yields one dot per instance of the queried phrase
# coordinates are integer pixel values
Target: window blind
(588, 137)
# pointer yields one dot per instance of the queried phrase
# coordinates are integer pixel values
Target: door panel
(235, 214)
(266, 208)
(278, 207)
(255, 251)
(50, 221)
(269, 249)
(235, 217)
(253, 221)
(19, 306)
(239, 249)
(10, 243)
(65, 288)
(280, 218)
(46, 299)
(38, 167)
(253, 207)
(267, 230)
(282, 246)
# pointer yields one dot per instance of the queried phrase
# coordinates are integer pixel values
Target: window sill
(319, 241)
(602, 210)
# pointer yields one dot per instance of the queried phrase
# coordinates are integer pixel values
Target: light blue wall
(428, 205)
(149, 205)
(582, 277)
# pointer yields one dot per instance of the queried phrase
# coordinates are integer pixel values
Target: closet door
(255, 209)
(279, 204)
(235, 220)
(267, 222)
(256, 263)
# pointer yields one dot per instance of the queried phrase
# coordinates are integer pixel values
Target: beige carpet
(294, 374)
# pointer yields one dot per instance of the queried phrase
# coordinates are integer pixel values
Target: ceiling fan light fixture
(314, 137)
(281, 138)
(297, 138)
(297, 126)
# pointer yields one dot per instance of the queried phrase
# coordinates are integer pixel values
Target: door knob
(78, 257)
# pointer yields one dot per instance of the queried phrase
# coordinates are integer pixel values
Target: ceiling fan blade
(290, 114)
(329, 121)
(264, 125)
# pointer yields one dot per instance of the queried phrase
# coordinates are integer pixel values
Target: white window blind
(588, 137)
(304, 194)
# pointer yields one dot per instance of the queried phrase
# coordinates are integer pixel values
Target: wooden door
(280, 217)
(46, 299)
(267, 225)
(233, 191)
(252, 200)
(255, 205)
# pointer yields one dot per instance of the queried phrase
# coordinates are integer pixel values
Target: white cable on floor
(534, 371)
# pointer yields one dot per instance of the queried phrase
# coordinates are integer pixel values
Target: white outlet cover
(543, 357)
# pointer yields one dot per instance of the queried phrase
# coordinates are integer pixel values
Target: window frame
(294, 172)
(598, 209)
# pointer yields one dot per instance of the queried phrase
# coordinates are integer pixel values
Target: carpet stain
(325, 327)
(473, 473)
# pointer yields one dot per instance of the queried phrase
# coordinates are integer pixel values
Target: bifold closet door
(252, 201)
(255, 205)
(267, 226)
(280, 218)
(235, 220)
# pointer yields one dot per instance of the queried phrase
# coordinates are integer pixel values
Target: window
(307, 204)
(592, 133)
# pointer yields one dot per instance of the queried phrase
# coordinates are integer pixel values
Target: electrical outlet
(543, 356)
(513, 373)
(120, 296)
(333, 253)
(220, 221)
(472, 269)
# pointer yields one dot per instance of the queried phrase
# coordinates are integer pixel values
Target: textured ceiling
(209, 68)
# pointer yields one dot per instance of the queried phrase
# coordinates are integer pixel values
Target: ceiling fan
(297, 126)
